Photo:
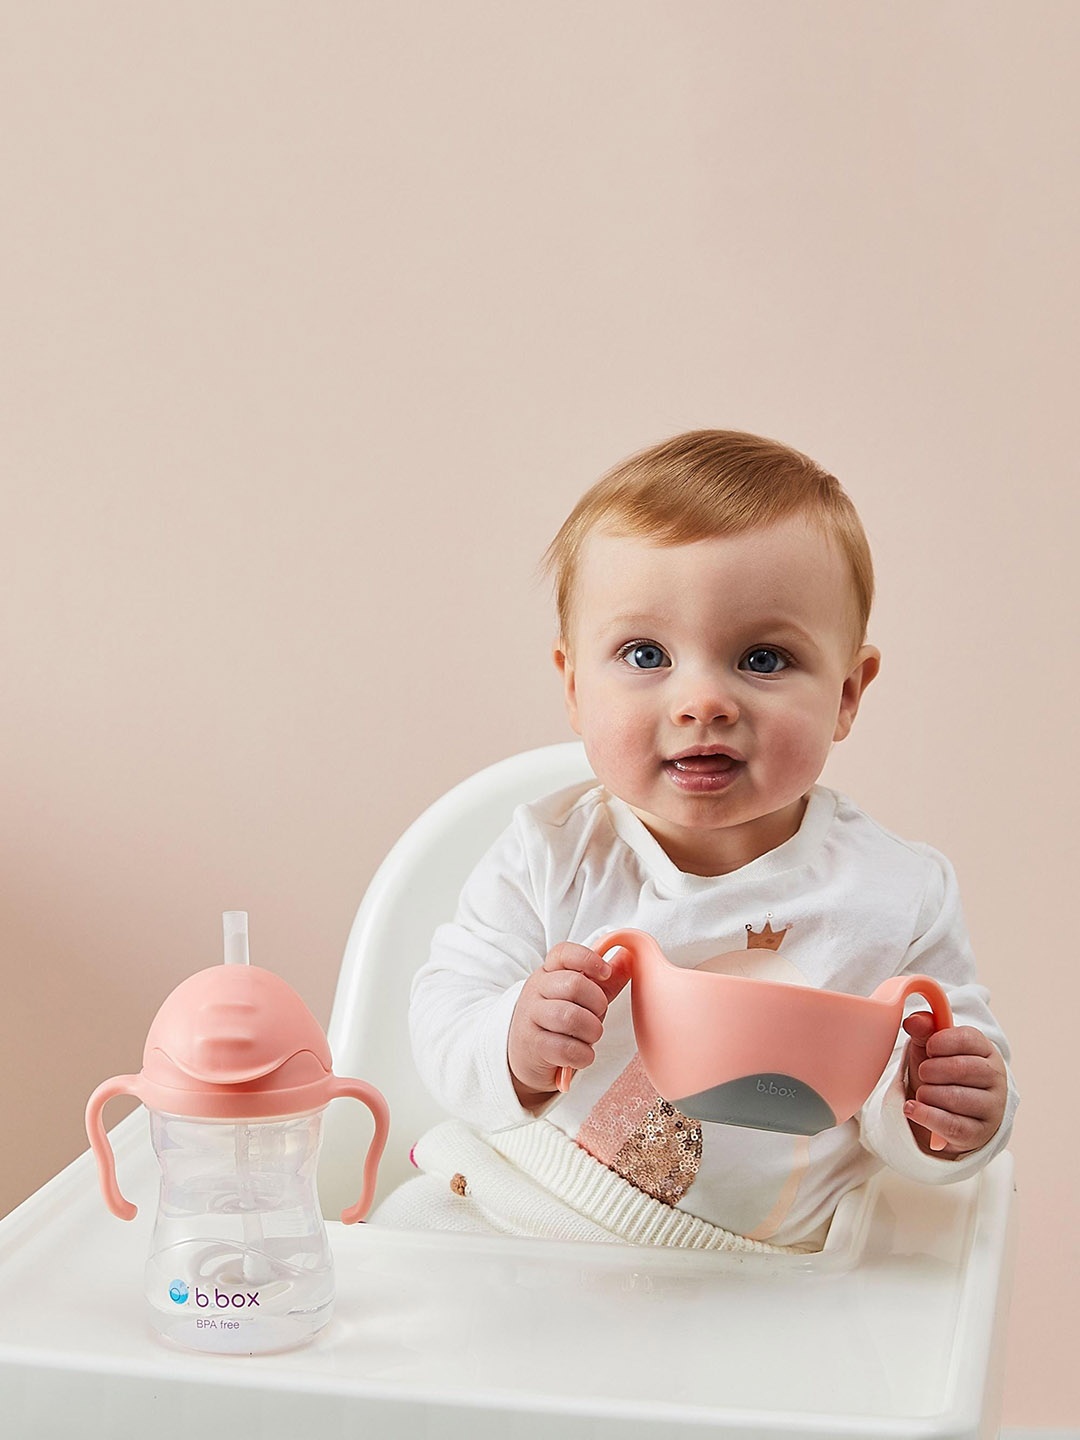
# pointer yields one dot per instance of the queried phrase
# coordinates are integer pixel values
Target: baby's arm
(559, 1018)
(465, 998)
(957, 1085)
(965, 1094)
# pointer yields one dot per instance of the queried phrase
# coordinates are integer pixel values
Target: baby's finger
(563, 1017)
(578, 989)
(569, 956)
(976, 1072)
(920, 1026)
(619, 975)
(564, 1054)
(960, 1132)
(957, 1100)
(959, 1040)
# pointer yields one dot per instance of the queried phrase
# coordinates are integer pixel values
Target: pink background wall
(316, 318)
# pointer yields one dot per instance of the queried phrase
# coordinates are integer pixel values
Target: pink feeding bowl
(760, 1053)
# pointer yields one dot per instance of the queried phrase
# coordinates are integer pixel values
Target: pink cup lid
(235, 1042)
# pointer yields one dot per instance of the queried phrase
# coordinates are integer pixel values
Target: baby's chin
(738, 835)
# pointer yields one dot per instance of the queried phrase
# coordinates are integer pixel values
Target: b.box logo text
(787, 1091)
(222, 1300)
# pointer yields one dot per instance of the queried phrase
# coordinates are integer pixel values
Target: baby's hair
(706, 483)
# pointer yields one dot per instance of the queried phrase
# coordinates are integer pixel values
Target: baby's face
(709, 681)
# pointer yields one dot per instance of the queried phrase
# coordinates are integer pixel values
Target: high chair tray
(893, 1331)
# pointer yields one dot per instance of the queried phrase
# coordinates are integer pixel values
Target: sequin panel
(618, 1114)
(663, 1157)
(642, 1137)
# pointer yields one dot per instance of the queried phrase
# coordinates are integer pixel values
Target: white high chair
(894, 1330)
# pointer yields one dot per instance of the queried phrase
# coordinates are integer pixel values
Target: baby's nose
(705, 703)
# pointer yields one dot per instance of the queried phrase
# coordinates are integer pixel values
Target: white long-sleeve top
(855, 905)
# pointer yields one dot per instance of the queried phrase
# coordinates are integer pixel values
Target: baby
(713, 594)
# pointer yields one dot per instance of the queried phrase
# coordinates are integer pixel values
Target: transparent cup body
(239, 1260)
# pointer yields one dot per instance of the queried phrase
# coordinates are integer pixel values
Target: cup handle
(898, 990)
(380, 1111)
(101, 1146)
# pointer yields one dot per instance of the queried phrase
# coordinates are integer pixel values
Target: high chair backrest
(414, 890)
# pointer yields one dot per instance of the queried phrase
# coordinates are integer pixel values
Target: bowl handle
(618, 939)
(897, 990)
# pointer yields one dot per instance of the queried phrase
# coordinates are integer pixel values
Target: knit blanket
(534, 1180)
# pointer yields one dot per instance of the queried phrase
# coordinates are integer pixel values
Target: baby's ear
(866, 666)
(565, 667)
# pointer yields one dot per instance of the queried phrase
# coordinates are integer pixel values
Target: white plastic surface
(895, 1331)
(459, 1336)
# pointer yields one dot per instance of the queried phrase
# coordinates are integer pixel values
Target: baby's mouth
(718, 764)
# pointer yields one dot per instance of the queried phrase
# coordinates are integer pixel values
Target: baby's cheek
(614, 748)
(800, 752)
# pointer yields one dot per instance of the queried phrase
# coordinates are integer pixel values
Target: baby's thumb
(920, 1027)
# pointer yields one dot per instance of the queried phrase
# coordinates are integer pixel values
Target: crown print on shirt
(766, 938)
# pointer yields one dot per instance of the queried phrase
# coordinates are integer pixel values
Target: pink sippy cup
(236, 1074)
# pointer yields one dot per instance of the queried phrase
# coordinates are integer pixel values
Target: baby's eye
(644, 655)
(765, 660)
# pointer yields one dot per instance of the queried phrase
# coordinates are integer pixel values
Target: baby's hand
(559, 1017)
(957, 1085)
